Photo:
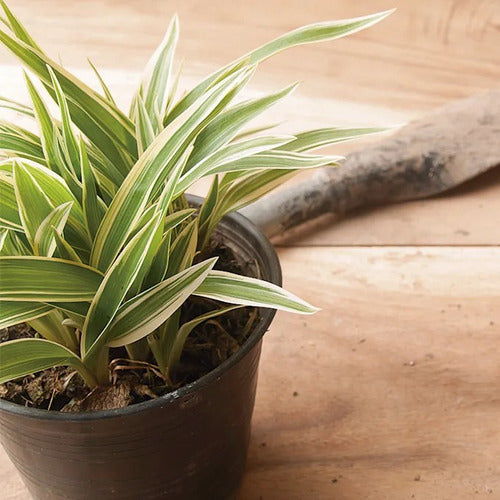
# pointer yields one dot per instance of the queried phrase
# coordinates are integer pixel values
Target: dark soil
(209, 345)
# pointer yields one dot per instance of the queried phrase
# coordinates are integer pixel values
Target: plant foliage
(98, 247)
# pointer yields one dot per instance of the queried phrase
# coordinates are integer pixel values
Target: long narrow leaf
(45, 122)
(18, 107)
(16, 26)
(143, 126)
(159, 263)
(24, 356)
(318, 138)
(183, 249)
(57, 154)
(281, 160)
(306, 34)
(227, 124)
(64, 250)
(57, 193)
(16, 141)
(72, 309)
(44, 242)
(144, 313)
(51, 327)
(115, 286)
(93, 207)
(9, 211)
(12, 313)
(207, 209)
(158, 71)
(105, 89)
(70, 140)
(33, 204)
(235, 289)
(13, 243)
(252, 187)
(40, 279)
(237, 190)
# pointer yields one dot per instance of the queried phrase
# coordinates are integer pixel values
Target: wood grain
(424, 55)
(397, 379)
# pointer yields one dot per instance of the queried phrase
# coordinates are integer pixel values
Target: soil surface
(209, 344)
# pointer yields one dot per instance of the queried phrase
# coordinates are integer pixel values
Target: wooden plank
(396, 379)
(423, 55)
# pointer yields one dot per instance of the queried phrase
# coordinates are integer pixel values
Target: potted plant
(133, 315)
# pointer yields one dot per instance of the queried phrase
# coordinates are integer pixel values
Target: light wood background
(393, 390)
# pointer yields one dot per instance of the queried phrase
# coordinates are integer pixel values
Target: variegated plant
(97, 241)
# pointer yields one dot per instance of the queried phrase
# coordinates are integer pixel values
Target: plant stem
(97, 365)
(51, 328)
(139, 350)
(88, 376)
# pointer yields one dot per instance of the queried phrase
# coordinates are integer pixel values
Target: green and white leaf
(16, 141)
(16, 26)
(144, 313)
(159, 264)
(306, 34)
(51, 327)
(239, 189)
(183, 249)
(157, 79)
(253, 186)
(206, 210)
(229, 157)
(93, 207)
(12, 313)
(9, 211)
(13, 243)
(44, 242)
(70, 140)
(225, 127)
(18, 107)
(43, 279)
(102, 123)
(105, 89)
(143, 126)
(115, 286)
(46, 124)
(313, 139)
(33, 204)
(47, 186)
(64, 249)
(25, 356)
(236, 289)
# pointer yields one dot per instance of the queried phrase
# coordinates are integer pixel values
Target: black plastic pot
(188, 444)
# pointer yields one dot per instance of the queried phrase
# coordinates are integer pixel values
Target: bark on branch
(426, 157)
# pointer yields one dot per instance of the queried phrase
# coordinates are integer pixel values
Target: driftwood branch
(424, 158)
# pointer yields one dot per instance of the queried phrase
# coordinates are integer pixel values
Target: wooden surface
(392, 390)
